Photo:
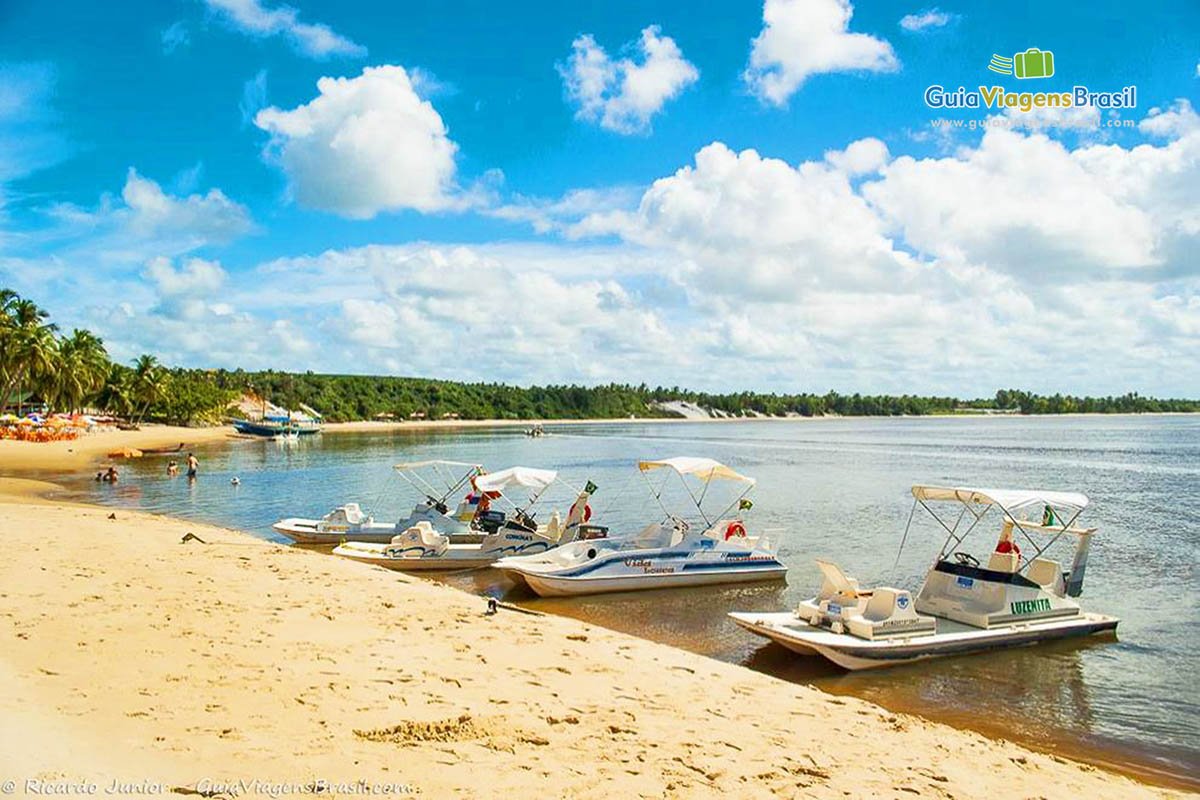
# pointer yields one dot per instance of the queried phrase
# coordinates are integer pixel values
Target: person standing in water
(193, 465)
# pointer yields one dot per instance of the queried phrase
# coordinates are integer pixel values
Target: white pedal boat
(962, 607)
(662, 555)
(435, 480)
(422, 548)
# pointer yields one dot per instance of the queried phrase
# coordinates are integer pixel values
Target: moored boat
(419, 547)
(963, 606)
(436, 480)
(673, 552)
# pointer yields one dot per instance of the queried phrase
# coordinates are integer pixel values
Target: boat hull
(271, 430)
(853, 653)
(552, 586)
(456, 556)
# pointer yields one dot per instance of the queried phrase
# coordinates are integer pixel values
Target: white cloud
(195, 277)
(622, 95)
(860, 157)
(1027, 205)
(1178, 120)
(923, 20)
(147, 221)
(809, 37)
(758, 227)
(364, 145)
(311, 39)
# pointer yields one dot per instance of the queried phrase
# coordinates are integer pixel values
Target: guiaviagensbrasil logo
(1033, 63)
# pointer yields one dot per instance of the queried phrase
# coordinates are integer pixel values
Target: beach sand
(130, 655)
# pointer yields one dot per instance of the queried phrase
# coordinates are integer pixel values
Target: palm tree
(81, 369)
(150, 382)
(27, 344)
(117, 394)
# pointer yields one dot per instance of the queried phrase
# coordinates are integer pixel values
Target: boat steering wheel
(966, 559)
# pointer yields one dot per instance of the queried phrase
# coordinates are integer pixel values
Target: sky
(717, 195)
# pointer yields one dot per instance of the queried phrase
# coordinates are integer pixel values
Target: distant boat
(277, 426)
(280, 422)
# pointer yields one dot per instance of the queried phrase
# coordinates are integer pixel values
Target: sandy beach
(134, 656)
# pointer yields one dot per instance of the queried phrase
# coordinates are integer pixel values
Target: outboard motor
(1078, 566)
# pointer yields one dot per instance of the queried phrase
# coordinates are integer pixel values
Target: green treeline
(351, 397)
(41, 366)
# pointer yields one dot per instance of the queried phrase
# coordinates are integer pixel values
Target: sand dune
(131, 655)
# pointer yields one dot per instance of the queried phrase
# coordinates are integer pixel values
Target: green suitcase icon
(1033, 63)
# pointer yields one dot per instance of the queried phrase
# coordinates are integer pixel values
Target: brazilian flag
(744, 504)
(590, 488)
(1048, 517)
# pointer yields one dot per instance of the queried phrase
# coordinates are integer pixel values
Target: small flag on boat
(590, 488)
(1048, 517)
(744, 504)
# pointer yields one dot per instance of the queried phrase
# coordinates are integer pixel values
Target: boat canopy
(704, 468)
(435, 463)
(1005, 498)
(537, 479)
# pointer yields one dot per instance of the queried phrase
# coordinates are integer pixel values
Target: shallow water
(837, 489)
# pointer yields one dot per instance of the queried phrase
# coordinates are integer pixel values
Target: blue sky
(719, 195)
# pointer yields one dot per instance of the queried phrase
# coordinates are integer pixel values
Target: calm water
(839, 490)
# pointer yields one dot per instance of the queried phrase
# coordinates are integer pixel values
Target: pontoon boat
(420, 547)
(663, 554)
(437, 480)
(963, 606)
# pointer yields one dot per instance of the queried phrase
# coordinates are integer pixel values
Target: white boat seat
(554, 527)
(1003, 562)
(1044, 572)
(889, 612)
(653, 535)
(835, 582)
(422, 535)
(354, 514)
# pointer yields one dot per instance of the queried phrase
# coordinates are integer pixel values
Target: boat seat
(1044, 572)
(889, 612)
(423, 535)
(653, 535)
(1003, 562)
(354, 514)
(835, 582)
(554, 527)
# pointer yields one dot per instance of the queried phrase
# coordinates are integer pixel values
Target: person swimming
(172, 467)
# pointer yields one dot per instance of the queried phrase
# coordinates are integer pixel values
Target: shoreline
(238, 662)
(57, 457)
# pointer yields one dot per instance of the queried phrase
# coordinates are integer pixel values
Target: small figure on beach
(172, 467)
(193, 465)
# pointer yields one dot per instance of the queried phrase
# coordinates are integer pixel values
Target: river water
(835, 489)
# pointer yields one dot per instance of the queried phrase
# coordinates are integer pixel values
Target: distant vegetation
(69, 372)
(349, 397)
